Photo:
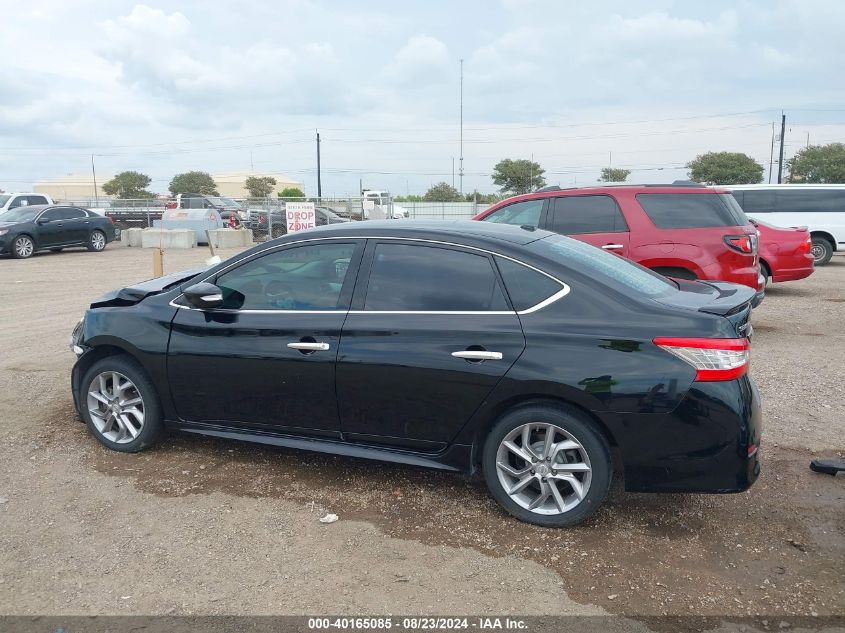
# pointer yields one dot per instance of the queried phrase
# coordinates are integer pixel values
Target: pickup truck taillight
(714, 359)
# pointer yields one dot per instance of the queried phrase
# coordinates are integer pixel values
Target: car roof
(458, 230)
(607, 189)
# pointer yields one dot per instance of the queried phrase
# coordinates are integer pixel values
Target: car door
(51, 228)
(266, 358)
(595, 219)
(430, 335)
(76, 225)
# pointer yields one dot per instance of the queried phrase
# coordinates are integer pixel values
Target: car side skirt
(455, 458)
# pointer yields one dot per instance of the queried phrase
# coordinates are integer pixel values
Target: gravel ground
(200, 526)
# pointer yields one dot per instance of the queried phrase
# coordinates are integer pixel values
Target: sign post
(300, 216)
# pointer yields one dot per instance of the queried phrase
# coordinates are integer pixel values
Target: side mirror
(204, 296)
(41, 221)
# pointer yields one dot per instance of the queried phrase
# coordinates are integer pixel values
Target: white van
(821, 208)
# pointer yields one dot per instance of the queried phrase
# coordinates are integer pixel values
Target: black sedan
(25, 230)
(462, 346)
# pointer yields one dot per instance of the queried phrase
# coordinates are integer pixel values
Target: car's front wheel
(120, 405)
(23, 247)
(547, 464)
(97, 241)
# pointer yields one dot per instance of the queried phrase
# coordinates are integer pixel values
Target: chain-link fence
(266, 216)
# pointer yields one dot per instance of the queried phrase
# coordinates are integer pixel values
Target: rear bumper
(708, 444)
(792, 274)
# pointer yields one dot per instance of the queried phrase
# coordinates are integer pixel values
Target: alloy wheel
(98, 241)
(543, 468)
(24, 246)
(116, 407)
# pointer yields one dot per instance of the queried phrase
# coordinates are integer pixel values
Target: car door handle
(613, 247)
(476, 354)
(309, 347)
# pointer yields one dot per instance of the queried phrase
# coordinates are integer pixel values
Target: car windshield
(603, 266)
(4, 200)
(228, 202)
(21, 214)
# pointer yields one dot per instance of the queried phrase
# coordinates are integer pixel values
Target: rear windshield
(598, 264)
(692, 210)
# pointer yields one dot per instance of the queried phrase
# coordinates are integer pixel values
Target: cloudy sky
(163, 87)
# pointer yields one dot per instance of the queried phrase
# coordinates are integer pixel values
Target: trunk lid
(732, 301)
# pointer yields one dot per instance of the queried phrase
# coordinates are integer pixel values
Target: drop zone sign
(300, 216)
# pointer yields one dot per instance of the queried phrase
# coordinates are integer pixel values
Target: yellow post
(158, 262)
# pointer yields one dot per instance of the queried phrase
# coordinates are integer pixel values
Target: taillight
(806, 245)
(742, 243)
(714, 359)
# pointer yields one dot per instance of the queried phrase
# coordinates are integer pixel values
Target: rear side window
(573, 215)
(413, 278)
(601, 266)
(692, 210)
(36, 200)
(522, 213)
(526, 287)
(51, 214)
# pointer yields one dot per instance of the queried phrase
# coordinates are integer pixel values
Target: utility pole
(461, 168)
(772, 154)
(319, 183)
(782, 134)
(251, 164)
(94, 174)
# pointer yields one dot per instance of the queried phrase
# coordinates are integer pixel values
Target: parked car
(27, 229)
(821, 208)
(785, 254)
(681, 231)
(14, 200)
(231, 212)
(260, 220)
(461, 346)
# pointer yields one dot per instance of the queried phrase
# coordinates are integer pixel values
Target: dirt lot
(204, 527)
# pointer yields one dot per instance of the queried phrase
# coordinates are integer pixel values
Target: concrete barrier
(131, 237)
(168, 238)
(230, 238)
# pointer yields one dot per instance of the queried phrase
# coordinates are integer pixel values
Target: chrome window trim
(539, 306)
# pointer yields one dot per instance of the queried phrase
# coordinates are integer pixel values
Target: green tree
(442, 192)
(518, 176)
(614, 174)
(291, 192)
(127, 185)
(725, 168)
(482, 198)
(194, 182)
(408, 198)
(824, 164)
(259, 186)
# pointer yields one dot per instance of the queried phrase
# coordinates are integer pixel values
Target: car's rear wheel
(547, 465)
(120, 405)
(822, 251)
(23, 247)
(97, 241)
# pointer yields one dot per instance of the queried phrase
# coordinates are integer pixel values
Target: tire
(767, 274)
(23, 247)
(588, 450)
(97, 241)
(136, 391)
(822, 251)
(56, 250)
